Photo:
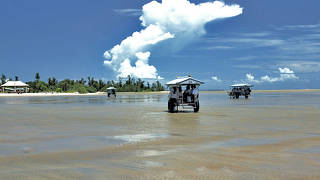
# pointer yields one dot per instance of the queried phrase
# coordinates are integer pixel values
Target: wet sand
(269, 136)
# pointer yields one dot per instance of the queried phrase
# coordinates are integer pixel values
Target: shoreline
(47, 94)
(270, 91)
(289, 90)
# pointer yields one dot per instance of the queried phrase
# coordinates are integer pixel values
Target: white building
(14, 86)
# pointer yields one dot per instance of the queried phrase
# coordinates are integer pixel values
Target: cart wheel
(197, 107)
(172, 106)
(247, 96)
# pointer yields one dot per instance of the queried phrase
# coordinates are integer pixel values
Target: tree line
(89, 85)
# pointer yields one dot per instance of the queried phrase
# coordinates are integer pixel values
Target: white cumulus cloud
(251, 78)
(215, 78)
(285, 74)
(180, 20)
(160, 78)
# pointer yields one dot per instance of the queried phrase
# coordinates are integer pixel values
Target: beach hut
(15, 86)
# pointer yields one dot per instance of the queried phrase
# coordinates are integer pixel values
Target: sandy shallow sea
(272, 135)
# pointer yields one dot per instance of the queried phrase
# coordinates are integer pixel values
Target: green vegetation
(3, 79)
(90, 85)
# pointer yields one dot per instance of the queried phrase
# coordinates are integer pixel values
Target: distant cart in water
(187, 99)
(111, 91)
(238, 90)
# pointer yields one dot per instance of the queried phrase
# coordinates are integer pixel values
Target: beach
(43, 94)
(272, 135)
(46, 94)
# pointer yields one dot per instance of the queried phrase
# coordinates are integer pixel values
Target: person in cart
(187, 94)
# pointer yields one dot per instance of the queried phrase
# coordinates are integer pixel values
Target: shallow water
(134, 137)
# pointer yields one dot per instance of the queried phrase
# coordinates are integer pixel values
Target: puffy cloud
(182, 16)
(215, 78)
(141, 69)
(304, 66)
(160, 78)
(180, 20)
(285, 74)
(251, 78)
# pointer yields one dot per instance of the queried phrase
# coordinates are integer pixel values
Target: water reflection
(130, 98)
(140, 98)
(183, 124)
(206, 99)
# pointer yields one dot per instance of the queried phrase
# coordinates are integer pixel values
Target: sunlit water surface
(45, 125)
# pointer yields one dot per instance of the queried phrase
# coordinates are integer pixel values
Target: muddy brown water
(269, 136)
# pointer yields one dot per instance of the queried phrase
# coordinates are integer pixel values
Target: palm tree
(37, 76)
(82, 81)
(3, 79)
(54, 81)
(128, 82)
(90, 81)
(101, 84)
(120, 82)
(49, 82)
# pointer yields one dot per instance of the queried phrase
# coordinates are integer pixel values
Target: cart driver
(173, 93)
(195, 91)
(187, 92)
(179, 94)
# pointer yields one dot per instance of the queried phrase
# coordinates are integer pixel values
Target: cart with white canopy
(111, 91)
(188, 98)
(238, 90)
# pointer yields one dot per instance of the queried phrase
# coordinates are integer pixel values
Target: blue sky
(67, 39)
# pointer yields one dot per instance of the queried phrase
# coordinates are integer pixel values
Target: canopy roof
(111, 88)
(242, 85)
(184, 81)
(14, 84)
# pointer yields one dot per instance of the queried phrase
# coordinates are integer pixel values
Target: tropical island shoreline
(73, 94)
(43, 94)
(268, 90)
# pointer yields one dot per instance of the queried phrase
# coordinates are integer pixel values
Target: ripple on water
(241, 142)
(152, 164)
(310, 150)
(74, 143)
(140, 137)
